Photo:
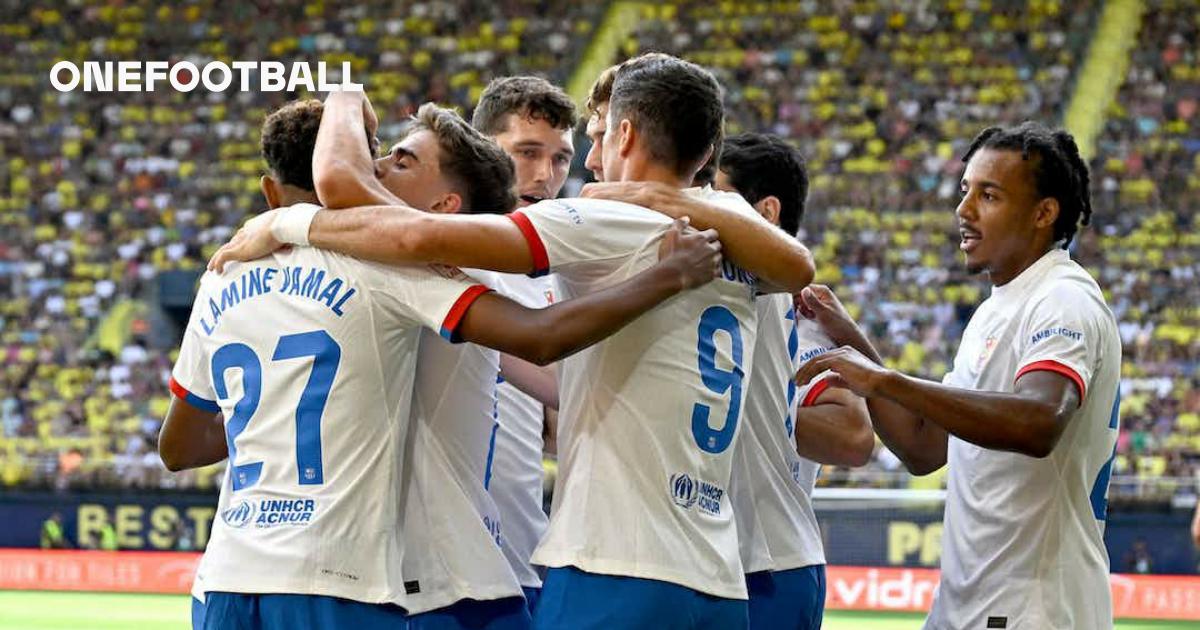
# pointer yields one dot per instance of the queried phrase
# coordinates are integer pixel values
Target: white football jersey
(1023, 544)
(772, 485)
(648, 416)
(452, 528)
(310, 356)
(517, 466)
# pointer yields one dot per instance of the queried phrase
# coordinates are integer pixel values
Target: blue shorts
(791, 600)
(574, 600)
(197, 615)
(244, 611)
(532, 594)
(509, 613)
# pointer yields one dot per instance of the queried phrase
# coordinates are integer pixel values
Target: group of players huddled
(385, 355)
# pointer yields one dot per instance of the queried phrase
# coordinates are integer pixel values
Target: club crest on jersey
(239, 515)
(989, 347)
(683, 490)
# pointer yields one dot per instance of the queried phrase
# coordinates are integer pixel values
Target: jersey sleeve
(1059, 335)
(568, 232)
(811, 342)
(434, 297)
(191, 378)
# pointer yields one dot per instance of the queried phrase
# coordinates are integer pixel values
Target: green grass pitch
(38, 610)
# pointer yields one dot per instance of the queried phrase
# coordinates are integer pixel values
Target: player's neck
(652, 172)
(292, 196)
(1000, 278)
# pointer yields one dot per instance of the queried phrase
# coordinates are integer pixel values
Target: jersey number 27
(326, 354)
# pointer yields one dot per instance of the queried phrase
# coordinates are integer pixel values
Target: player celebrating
(316, 416)
(1027, 418)
(789, 432)
(648, 417)
(533, 122)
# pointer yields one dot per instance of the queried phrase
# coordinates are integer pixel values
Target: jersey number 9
(718, 318)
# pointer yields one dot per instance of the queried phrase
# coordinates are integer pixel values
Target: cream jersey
(452, 529)
(517, 465)
(310, 356)
(772, 485)
(648, 417)
(1023, 544)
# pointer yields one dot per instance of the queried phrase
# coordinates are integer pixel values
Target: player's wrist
(292, 225)
(886, 381)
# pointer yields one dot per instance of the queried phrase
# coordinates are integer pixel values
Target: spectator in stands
(1196, 526)
(52, 533)
(1139, 559)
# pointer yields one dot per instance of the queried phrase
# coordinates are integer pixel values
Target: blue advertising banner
(146, 520)
(1138, 541)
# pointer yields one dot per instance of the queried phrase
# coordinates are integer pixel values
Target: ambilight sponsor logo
(813, 353)
(1073, 335)
(239, 515)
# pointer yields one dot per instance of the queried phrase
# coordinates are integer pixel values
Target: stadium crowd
(883, 99)
(102, 192)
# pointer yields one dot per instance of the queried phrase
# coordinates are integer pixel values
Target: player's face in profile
(411, 171)
(996, 214)
(596, 127)
(541, 154)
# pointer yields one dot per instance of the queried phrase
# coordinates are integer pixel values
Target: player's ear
(1046, 212)
(271, 189)
(626, 139)
(769, 207)
(451, 203)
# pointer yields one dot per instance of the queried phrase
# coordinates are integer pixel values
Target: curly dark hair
(481, 170)
(531, 97)
(289, 135)
(761, 165)
(1059, 171)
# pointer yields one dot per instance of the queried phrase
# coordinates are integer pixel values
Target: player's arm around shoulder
(688, 259)
(388, 234)
(781, 263)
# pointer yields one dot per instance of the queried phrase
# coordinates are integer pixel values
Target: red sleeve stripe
(815, 392)
(449, 330)
(183, 394)
(1049, 365)
(537, 249)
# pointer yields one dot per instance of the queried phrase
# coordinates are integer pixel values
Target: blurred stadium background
(111, 203)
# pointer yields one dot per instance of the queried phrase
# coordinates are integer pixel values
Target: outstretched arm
(396, 235)
(1028, 421)
(778, 260)
(541, 336)
(191, 437)
(919, 444)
